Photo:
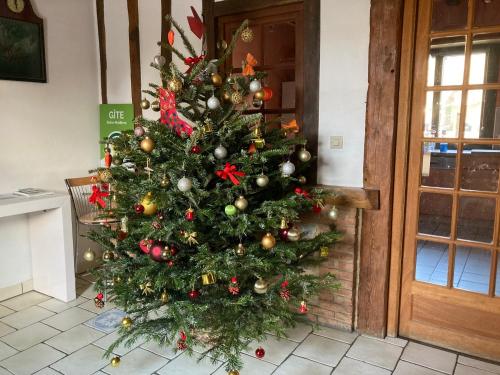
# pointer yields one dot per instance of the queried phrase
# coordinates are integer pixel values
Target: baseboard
(16, 290)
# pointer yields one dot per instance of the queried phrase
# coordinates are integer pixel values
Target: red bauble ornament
(316, 208)
(139, 208)
(173, 250)
(303, 307)
(107, 158)
(183, 336)
(283, 233)
(170, 263)
(260, 352)
(268, 93)
(196, 149)
(155, 252)
(145, 245)
(193, 294)
(189, 214)
(181, 345)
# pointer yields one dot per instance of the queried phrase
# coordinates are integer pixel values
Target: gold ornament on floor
(108, 255)
(145, 104)
(247, 35)
(164, 297)
(236, 97)
(150, 207)
(147, 145)
(89, 255)
(127, 322)
(268, 241)
(146, 288)
(155, 106)
(208, 279)
(115, 361)
(324, 251)
(260, 286)
(241, 203)
(240, 250)
(233, 372)
(174, 84)
(216, 79)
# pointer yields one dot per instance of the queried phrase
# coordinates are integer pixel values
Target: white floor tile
(322, 350)
(4, 311)
(184, 364)
(32, 360)
(298, 366)
(276, 350)
(337, 334)
(299, 332)
(85, 361)
(25, 300)
(74, 339)
(29, 336)
(88, 292)
(69, 318)
(137, 362)
(26, 317)
(5, 329)
(58, 306)
(466, 370)
(122, 349)
(90, 306)
(167, 352)
(375, 352)
(47, 371)
(251, 366)
(432, 358)
(6, 351)
(471, 362)
(4, 372)
(349, 366)
(406, 368)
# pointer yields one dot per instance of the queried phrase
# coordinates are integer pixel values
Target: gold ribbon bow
(191, 237)
(146, 288)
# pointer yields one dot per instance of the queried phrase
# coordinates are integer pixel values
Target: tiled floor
(43, 336)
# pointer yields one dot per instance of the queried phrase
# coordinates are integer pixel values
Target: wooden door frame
(213, 9)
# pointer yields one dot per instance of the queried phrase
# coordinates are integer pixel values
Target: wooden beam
(226, 7)
(101, 33)
(209, 21)
(362, 198)
(381, 118)
(135, 55)
(166, 8)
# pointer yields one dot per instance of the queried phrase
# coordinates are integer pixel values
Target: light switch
(336, 142)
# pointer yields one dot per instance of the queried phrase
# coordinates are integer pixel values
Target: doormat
(106, 322)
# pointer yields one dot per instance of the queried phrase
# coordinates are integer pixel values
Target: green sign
(115, 118)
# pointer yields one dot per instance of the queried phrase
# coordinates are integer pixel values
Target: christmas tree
(209, 251)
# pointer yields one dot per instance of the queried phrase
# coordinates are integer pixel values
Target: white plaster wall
(49, 130)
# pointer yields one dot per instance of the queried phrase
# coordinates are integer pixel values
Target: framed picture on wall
(22, 48)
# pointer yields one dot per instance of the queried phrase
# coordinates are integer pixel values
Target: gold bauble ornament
(174, 84)
(268, 241)
(165, 254)
(107, 256)
(324, 251)
(104, 175)
(259, 95)
(150, 207)
(216, 79)
(262, 180)
(333, 214)
(293, 234)
(240, 250)
(115, 361)
(147, 145)
(155, 106)
(233, 372)
(302, 180)
(236, 97)
(164, 182)
(89, 255)
(241, 203)
(164, 297)
(304, 155)
(145, 104)
(226, 96)
(260, 286)
(247, 35)
(127, 322)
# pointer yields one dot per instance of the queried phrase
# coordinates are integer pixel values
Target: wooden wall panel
(381, 118)
(135, 55)
(101, 33)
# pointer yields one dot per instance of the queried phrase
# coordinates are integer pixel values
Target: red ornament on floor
(260, 352)
(181, 345)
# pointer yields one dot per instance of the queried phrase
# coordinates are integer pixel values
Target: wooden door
(278, 48)
(451, 272)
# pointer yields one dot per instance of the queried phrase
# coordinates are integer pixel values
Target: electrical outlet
(336, 142)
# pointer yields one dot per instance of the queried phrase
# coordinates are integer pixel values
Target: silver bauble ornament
(333, 214)
(213, 103)
(287, 168)
(262, 180)
(160, 60)
(255, 85)
(257, 103)
(139, 131)
(184, 184)
(220, 152)
(89, 255)
(304, 155)
(293, 234)
(241, 203)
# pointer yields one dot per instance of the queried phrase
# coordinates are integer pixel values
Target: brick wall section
(337, 309)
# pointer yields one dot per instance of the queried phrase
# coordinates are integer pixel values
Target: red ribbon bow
(302, 192)
(192, 61)
(230, 171)
(97, 195)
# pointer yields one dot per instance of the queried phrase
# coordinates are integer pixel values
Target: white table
(51, 241)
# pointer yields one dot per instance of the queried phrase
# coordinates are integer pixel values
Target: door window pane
(449, 14)
(487, 13)
(432, 262)
(442, 114)
(497, 287)
(446, 61)
(483, 114)
(435, 214)
(438, 164)
(472, 269)
(485, 60)
(476, 218)
(241, 48)
(279, 43)
(480, 167)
